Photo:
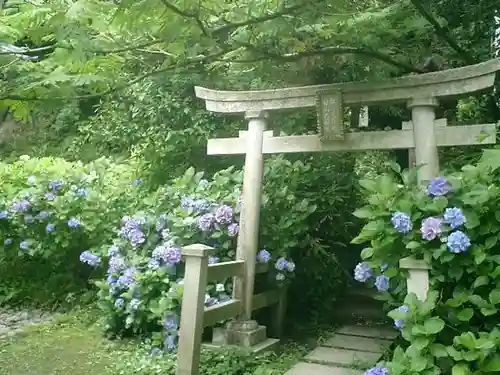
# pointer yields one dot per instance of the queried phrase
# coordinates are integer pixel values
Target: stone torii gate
(422, 135)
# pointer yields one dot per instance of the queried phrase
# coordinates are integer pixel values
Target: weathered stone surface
(315, 369)
(378, 332)
(364, 344)
(345, 357)
(14, 321)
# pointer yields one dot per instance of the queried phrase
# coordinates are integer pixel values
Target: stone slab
(364, 344)
(316, 369)
(363, 331)
(344, 357)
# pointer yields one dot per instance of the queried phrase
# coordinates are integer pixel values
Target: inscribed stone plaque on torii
(330, 116)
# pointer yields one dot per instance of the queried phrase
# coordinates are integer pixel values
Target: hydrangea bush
(454, 225)
(142, 291)
(50, 211)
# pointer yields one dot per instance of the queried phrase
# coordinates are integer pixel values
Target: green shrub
(143, 289)
(454, 225)
(52, 210)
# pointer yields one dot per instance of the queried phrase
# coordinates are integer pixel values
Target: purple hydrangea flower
(131, 230)
(438, 187)
(205, 222)
(454, 217)
(50, 228)
(382, 283)
(280, 276)
(378, 370)
(233, 229)
(171, 322)
(263, 256)
(401, 222)
(4, 215)
(224, 214)
(50, 196)
(168, 255)
(89, 258)
(213, 259)
(431, 228)
(74, 223)
(7, 242)
(362, 272)
(24, 245)
(458, 242)
(281, 264)
(21, 206)
(127, 279)
(116, 264)
(400, 323)
(56, 185)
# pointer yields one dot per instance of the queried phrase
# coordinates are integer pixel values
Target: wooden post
(248, 239)
(426, 158)
(193, 306)
(279, 314)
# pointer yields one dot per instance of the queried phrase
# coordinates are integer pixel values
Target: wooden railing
(195, 316)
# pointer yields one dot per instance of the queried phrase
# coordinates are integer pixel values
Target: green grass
(67, 346)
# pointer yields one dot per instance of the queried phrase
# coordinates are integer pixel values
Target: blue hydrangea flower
(137, 182)
(170, 343)
(213, 260)
(401, 222)
(153, 264)
(74, 223)
(233, 229)
(280, 276)
(32, 180)
(29, 219)
(156, 352)
(89, 258)
(116, 264)
(378, 370)
(384, 267)
(56, 185)
(24, 245)
(111, 280)
(50, 196)
(224, 214)
(113, 250)
(438, 187)
(382, 283)
(458, 242)
(21, 206)
(50, 228)
(362, 272)
(210, 301)
(203, 184)
(186, 202)
(42, 215)
(4, 215)
(205, 222)
(7, 242)
(119, 303)
(201, 205)
(263, 256)
(127, 279)
(134, 304)
(454, 217)
(131, 230)
(81, 192)
(290, 267)
(168, 255)
(281, 264)
(171, 322)
(400, 323)
(431, 228)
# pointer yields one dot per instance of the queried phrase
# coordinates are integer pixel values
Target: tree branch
(190, 15)
(444, 33)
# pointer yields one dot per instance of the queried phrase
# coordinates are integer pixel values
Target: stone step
(343, 357)
(364, 331)
(364, 344)
(360, 313)
(316, 369)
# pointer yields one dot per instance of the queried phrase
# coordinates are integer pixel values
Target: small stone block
(246, 338)
(343, 357)
(364, 344)
(363, 331)
(315, 369)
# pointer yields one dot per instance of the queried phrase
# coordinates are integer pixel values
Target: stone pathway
(350, 350)
(13, 321)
